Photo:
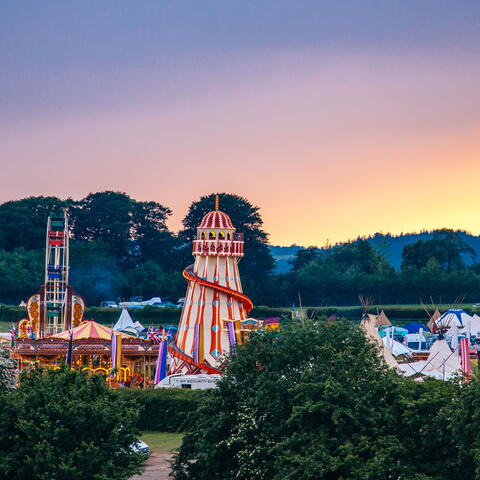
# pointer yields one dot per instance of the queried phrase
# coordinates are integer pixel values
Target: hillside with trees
(121, 247)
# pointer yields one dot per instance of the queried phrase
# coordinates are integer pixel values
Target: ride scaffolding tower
(56, 291)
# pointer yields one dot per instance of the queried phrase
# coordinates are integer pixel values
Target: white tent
(368, 326)
(441, 363)
(396, 348)
(453, 316)
(475, 325)
(125, 323)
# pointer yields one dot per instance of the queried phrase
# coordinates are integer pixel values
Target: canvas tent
(475, 325)
(368, 325)
(396, 348)
(125, 323)
(392, 331)
(382, 319)
(435, 316)
(453, 316)
(441, 363)
(414, 327)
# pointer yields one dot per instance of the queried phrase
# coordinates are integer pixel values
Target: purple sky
(336, 118)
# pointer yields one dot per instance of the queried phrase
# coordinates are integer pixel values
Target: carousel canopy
(89, 329)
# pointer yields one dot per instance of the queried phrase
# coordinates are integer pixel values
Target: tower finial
(216, 202)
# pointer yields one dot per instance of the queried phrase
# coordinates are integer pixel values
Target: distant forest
(390, 246)
(121, 247)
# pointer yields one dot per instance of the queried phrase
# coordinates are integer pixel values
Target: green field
(161, 442)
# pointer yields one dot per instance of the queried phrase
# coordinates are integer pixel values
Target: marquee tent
(125, 323)
(457, 316)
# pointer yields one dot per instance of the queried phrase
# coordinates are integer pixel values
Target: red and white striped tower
(215, 307)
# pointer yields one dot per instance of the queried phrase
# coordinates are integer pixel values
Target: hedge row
(169, 315)
(164, 410)
(107, 316)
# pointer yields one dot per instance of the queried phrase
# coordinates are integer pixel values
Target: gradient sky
(338, 118)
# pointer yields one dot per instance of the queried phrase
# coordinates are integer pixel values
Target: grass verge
(162, 442)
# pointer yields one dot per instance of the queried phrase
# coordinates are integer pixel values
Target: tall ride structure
(55, 308)
(214, 317)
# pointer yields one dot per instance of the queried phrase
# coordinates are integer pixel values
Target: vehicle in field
(140, 447)
(108, 304)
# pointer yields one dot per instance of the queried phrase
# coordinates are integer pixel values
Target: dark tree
(63, 425)
(133, 231)
(304, 256)
(21, 273)
(105, 217)
(152, 236)
(446, 247)
(257, 265)
(23, 222)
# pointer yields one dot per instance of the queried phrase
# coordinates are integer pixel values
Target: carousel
(93, 348)
(56, 333)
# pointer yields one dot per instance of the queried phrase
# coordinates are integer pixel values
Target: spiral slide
(243, 299)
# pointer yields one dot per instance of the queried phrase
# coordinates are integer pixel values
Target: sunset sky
(338, 119)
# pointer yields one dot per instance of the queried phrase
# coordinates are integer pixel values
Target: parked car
(140, 447)
(108, 304)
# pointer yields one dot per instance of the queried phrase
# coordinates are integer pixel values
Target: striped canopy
(89, 329)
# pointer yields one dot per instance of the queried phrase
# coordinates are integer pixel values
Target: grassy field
(161, 442)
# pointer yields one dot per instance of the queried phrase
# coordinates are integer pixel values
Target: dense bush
(64, 425)
(316, 402)
(164, 410)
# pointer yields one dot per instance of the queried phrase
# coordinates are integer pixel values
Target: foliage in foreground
(7, 370)
(61, 425)
(317, 403)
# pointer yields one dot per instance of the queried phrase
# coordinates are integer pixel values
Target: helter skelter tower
(214, 317)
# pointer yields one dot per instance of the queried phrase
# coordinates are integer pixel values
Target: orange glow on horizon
(328, 148)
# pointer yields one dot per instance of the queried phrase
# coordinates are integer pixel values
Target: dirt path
(158, 468)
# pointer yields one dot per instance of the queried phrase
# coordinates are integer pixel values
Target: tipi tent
(432, 322)
(382, 319)
(125, 323)
(368, 326)
(441, 363)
